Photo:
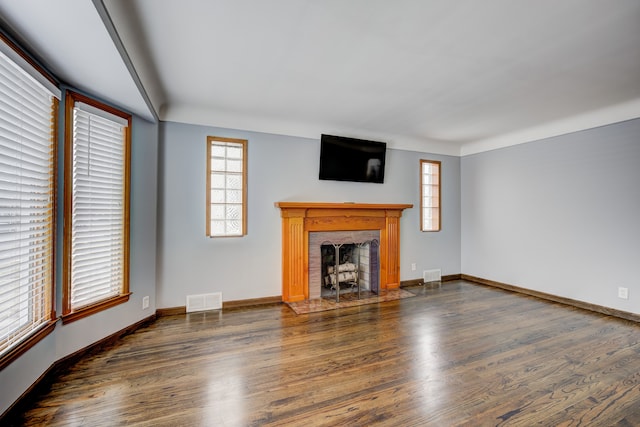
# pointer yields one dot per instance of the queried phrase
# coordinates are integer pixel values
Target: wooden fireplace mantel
(300, 218)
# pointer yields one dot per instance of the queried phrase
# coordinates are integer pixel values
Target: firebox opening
(349, 268)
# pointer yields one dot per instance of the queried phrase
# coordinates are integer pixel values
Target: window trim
(69, 314)
(49, 325)
(422, 207)
(244, 143)
(30, 62)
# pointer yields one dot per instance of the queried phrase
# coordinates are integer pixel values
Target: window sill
(27, 344)
(94, 308)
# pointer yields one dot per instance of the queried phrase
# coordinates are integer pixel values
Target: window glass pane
(430, 195)
(234, 182)
(97, 211)
(218, 151)
(217, 228)
(218, 165)
(226, 210)
(27, 172)
(233, 227)
(217, 180)
(234, 165)
(234, 196)
(217, 196)
(234, 212)
(234, 152)
(217, 211)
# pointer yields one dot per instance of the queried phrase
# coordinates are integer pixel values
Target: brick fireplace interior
(357, 248)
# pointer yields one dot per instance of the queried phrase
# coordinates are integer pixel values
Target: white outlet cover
(623, 293)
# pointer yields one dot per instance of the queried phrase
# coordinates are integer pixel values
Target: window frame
(69, 314)
(423, 208)
(210, 141)
(49, 320)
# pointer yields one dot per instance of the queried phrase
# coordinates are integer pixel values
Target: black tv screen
(350, 159)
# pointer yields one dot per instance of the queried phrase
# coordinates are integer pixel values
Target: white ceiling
(71, 40)
(450, 77)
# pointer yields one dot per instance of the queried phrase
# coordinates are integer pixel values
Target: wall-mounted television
(351, 159)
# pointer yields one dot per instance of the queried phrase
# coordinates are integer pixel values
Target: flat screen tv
(350, 159)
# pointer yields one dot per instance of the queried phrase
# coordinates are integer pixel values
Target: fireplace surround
(301, 218)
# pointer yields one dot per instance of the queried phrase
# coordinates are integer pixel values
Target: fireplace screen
(349, 268)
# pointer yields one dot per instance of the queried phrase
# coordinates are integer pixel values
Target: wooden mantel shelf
(344, 205)
(301, 218)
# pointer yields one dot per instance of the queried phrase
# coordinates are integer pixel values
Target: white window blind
(98, 206)
(27, 171)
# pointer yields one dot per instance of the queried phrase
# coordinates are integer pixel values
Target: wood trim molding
(417, 282)
(94, 308)
(412, 282)
(550, 297)
(68, 314)
(230, 305)
(50, 375)
(171, 311)
(26, 344)
(27, 57)
(212, 140)
(304, 206)
(439, 187)
(301, 218)
(226, 305)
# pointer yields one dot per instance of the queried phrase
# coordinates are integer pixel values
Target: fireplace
(358, 252)
(300, 220)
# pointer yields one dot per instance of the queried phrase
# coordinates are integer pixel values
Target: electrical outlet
(145, 302)
(623, 293)
(413, 266)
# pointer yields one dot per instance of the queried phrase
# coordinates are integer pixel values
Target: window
(96, 249)
(28, 116)
(429, 195)
(226, 187)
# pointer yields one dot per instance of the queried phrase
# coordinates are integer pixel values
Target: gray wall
(66, 339)
(281, 168)
(559, 215)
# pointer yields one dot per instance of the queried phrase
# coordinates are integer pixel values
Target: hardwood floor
(459, 354)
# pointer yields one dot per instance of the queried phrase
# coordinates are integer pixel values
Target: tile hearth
(348, 300)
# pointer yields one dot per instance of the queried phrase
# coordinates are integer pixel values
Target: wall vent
(204, 302)
(431, 276)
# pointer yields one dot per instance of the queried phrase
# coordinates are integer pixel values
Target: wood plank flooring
(456, 355)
